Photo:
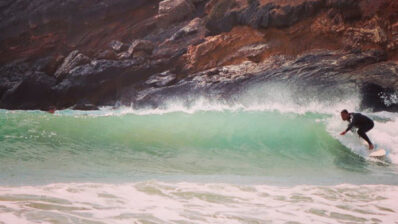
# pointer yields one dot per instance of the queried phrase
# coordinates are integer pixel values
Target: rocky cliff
(83, 54)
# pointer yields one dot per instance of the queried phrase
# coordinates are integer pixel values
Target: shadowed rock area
(85, 54)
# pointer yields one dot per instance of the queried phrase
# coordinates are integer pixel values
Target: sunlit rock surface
(69, 53)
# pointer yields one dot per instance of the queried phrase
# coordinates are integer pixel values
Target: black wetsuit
(363, 123)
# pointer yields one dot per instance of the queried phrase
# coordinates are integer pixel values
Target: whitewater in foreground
(202, 163)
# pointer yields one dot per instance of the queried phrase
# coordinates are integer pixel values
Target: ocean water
(273, 162)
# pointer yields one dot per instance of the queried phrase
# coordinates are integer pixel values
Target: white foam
(386, 137)
(158, 202)
(202, 104)
(279, 97)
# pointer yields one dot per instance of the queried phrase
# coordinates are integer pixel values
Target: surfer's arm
(353, 122)
(350, 126)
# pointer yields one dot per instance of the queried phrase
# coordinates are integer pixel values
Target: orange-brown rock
(216, 49)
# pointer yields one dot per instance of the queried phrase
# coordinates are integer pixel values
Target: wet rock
(74, 59)
(162, 79)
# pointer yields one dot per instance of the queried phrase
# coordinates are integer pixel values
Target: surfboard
(378, 153)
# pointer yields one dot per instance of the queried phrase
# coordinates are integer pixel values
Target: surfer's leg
(362, 132)
(363, 135)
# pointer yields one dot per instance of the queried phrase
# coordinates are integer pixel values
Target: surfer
(360, 121)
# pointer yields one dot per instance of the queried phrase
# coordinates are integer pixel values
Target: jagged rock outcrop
(102, 52)
(74, 59)
(161, 79)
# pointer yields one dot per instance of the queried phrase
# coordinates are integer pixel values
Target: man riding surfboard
(360, 121)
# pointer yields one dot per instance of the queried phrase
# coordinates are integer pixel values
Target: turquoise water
(206, 146)
(228, 165)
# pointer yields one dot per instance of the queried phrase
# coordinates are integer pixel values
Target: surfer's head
(345, 115)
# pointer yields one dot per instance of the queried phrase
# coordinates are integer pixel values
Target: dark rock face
(274, 15)
(34, 92)
(17, 15)
(85, 54)
(39, 28)
(97, 81)
(11, 75)
(379, 98)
